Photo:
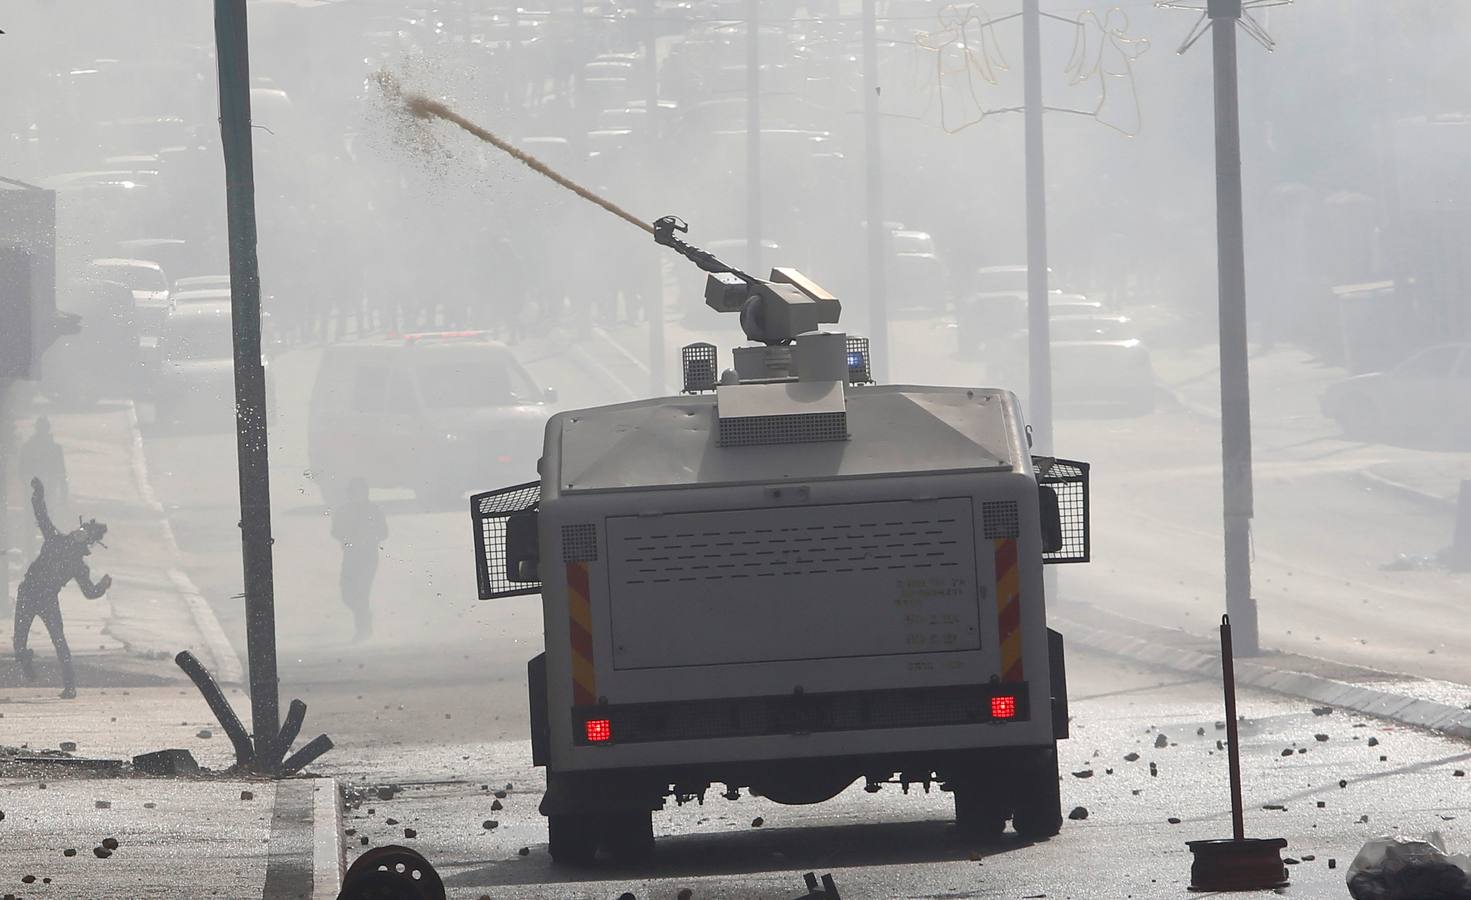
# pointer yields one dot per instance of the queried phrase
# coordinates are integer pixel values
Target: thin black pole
(1233, 752)
(232, 51)
(1039, 345)
(1236, 484)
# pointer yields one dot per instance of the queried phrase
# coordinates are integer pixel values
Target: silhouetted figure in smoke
(62, 559)
(41, 457)
(359, 524)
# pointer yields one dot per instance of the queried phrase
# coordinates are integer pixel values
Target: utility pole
(753, 137)
(878, 313)
(652, 120)
(1039, 321)
(1235, 380)
(1222, 18)
(233, 54)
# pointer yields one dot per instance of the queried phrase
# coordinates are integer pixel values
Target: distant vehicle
(1099, 364)
(1065, 304)
(202, 283)
(147, 281)
(554, 151)
(992, 305)
(1097, 361)
(195, 381)
(100, 360)
(201, 294)
(430, 412)
(1425, 400)
(175, 255)
(144, 135)
(918, 277)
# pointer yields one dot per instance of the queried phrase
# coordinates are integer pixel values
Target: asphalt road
(436, 701)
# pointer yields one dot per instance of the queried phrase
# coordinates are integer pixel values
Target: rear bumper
(645, 788)
(799, 714)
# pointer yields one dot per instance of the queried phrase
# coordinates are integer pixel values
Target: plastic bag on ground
(1404, 868)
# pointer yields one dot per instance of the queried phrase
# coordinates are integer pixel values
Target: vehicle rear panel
(827, 618)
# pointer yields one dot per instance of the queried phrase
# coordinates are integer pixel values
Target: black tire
(572, 840)
(980, 810)
(1037, 809)
(629, 837)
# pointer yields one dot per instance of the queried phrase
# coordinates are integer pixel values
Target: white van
(435, 412)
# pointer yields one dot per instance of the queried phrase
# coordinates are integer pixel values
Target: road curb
(328, 853)
(1449, 720)
(1375, 480)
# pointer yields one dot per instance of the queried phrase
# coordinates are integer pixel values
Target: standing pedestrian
(41, 457)
(62, 558)
(360, 526)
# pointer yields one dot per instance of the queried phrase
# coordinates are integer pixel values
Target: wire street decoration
(967, 52)
(1203, 24)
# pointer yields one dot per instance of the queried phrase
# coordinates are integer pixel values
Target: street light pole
(1235, 381)
(654, 305)
(753, 137)
(1039, 352)
(233, 54)
(878, 313)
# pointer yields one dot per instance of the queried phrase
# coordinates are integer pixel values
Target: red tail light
(599, 731)
(1001, 708)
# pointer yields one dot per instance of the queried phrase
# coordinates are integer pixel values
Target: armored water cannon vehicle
(788, 579)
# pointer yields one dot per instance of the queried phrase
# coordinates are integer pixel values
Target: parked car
(202, 283)
(991, 307)
(918, 278)
(194, 384)
(437, 413)
(1423, 401)
(147, 281)
(100, 360)
(1098, 362)
(187, 295)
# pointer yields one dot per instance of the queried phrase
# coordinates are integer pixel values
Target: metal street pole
(232, 52)
(753, 137)
(1039, 354)
(878, 313)
(652, 120)
(1235, 382)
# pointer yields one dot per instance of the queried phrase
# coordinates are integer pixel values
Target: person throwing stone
(62, 559)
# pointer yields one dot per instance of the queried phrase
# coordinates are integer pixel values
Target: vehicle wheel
(629, 837)
(1038, 804)
(572, 840)
(980, 810)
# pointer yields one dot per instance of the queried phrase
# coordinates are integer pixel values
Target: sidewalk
(177, 837)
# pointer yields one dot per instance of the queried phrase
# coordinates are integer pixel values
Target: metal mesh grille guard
(488, 514)
(1069, 479)
(633, 723)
